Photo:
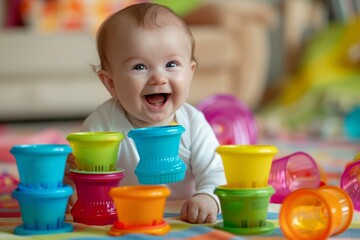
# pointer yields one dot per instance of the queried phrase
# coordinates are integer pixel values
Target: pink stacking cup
(94, 206)
(350, 183)
(289, 173)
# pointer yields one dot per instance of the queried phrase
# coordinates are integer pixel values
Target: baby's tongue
(155, 98)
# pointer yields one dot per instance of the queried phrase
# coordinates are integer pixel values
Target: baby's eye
(139, 67)
(171, 64)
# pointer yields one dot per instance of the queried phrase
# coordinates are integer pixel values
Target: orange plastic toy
(315, 213)
(140, 209)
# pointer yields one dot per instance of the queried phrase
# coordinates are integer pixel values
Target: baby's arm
(206, 166)
(201, 208)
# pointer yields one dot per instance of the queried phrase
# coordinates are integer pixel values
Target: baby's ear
(108, 82)
(193, 66)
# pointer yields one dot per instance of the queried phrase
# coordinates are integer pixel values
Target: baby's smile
(157, 99)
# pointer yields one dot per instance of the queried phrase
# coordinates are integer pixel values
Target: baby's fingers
(70, 164)
(184, 211)
(190, 212)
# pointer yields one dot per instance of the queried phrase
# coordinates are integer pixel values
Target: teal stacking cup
(158, 148)
(41, 166)
(42, 211)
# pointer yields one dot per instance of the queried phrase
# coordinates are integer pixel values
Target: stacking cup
(94, 205)
(315, 213)
(41, 166)
(292, 172)
(247, 166)
(158, 148)
(350, 183)
(140, 209)
(231, 119)
(95, 151)
(244, 210)
(42, 211)
(351, 124)
(357, 157)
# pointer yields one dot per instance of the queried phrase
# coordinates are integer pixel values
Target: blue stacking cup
(42, 211)
(41, 166)
(351, 124)
(158, 148)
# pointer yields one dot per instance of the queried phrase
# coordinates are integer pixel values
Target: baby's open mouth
(157, 99)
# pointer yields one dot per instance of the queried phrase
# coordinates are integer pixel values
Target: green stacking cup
(244, 210)
(95, 151)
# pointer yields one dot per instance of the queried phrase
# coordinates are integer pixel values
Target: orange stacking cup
(315, 213)
(140, 209)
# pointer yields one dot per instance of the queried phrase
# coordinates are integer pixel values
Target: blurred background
(294, 63)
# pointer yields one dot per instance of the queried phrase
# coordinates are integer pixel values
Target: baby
(147, 65)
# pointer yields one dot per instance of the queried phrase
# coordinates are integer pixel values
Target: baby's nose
(158, 79)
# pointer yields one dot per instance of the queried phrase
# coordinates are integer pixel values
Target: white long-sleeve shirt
(197, 149)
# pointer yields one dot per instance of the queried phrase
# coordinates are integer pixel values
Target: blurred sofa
(49, 76)
(232, 48)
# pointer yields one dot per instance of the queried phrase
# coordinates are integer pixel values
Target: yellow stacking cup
(247, 166)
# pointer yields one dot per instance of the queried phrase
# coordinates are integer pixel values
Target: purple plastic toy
(289, 173)
(350, 183)
(232, 121)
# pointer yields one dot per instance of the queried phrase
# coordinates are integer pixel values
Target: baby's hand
(70, 164)
(200, 208)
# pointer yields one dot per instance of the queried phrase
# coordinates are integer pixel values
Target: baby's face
(151, 70)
